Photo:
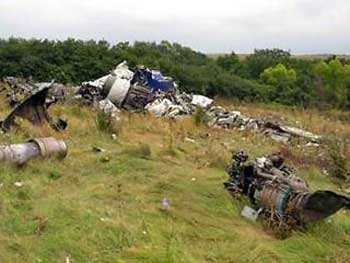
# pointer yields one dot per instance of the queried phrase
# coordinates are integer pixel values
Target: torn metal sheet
(109, 108)
(159, 107)
(284, 199)
(137, 98)
(300, 133)
(41, 147)
(153, 79)
(249, 213)
(116, 89)
(33, 109)
(113, 86)
(201, 101)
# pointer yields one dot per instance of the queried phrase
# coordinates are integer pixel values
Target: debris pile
(279, 197)
(148, 90)
(142, 90)
(120, 87)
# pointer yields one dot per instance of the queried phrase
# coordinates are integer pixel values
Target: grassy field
(107, 207)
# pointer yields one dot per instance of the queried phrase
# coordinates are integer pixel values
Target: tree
(229, 62)
(283, 80)
(333, 80)
(265, 58)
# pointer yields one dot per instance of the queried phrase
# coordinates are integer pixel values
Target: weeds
(142, 150)
(217, 157)
(338, 162)
(106, 123)
(170, 147)
(200, 117)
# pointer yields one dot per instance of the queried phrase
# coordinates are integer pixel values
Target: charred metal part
(33, 109)
(137, 98)
(283, 199)
(124, 95)
(41, 147)
(89, 94)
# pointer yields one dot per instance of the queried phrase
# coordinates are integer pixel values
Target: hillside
(107, 206)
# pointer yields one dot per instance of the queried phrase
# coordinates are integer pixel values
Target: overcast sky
(303, 26)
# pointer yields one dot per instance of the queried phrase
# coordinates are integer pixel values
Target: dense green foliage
(270, 75)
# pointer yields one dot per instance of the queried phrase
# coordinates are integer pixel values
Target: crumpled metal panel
(33, 109)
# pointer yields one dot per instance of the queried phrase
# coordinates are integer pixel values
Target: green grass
(107, 207)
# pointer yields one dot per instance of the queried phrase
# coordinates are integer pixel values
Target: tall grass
(91, 211)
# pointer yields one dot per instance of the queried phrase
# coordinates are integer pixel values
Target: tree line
(267, 75)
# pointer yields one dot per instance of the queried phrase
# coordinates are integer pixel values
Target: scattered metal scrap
(219, 117)
(279, 197)
(41, 147)
(33, 109)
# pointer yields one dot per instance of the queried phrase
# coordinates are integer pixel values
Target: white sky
(303, 26)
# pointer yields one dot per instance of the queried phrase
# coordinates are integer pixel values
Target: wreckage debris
(153, 79)
(41, 147)
(279, 197)
(33, 109)
(148, 90)
(20, 89)
(219, 117)
(109, 108)
(118, 88)
(142, 90)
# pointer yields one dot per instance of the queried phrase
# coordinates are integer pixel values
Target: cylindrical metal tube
(50, 147)
(44, 147)
(19, 153)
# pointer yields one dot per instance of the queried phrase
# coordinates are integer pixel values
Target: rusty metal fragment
(282, 199)
(33, 109)
(41, 147)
